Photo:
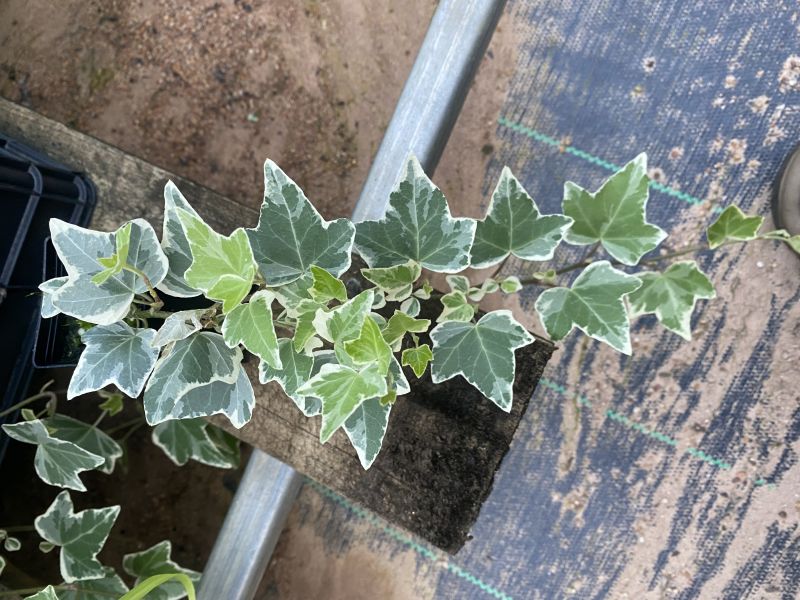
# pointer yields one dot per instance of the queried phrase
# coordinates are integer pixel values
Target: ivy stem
(137, 420)
(18, 528)
(43, 394)
(157, 302)
(499, 268)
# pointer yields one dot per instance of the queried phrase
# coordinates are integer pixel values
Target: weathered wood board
(444, 443)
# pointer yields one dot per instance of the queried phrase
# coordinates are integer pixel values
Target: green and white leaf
(196, 439)
(410, 306)
(175, 244)
(305, 339)
(342, 390)
(115, 354)
(672, 295)
(793, 241)
(251, 325)
(458, 283)
(117, 261)
(378, 300)
(510, 285)
(81, 250)
(86, 436)
(296, 369)
(113, 402)
(513, 225)
(57, 462)
(222, 266)
(157, 560)
(733, 226)
(292, 294)
(369, 348)
(366, 428)
(594, 304)
(80, 536)
(418, 226)
(399, 324)
(48, 288)
(489, 286)
(326, 287)
(614, 215)
(108, 587)
(396, 282)
(291, 235)
(178, 326)
(482, 353)
(344, 322)
(456, 307)
(11, 544)
(48, 593)
(417, 358)
(200, 377)
(424, 292)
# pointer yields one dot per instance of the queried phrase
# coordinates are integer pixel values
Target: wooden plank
(444, 443)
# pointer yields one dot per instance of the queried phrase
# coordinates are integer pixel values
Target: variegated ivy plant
(276, 291)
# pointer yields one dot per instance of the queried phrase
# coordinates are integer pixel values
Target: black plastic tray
(33, 189)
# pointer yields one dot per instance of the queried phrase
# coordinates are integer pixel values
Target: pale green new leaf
(417, 226)
(175, 244)
(108, 587)
(115, 354)
(326, 287)
(48, 593)
(342, 390)
(48, 288)
(513, 225)
(417, 358)
(80, 536)
(178, 326)
(672, 295)
(117, 261)
(251, 325)
(222, 266)
(424, 292)
(196, 439)
(366, 428)
(57, 462)
(370, 347)
(291, 235)
(482, 353)
(410, 306)
(396, 282)
(456, 307)
(458, 283)
(200, 377)
(344, 322)
(489, 286)
(733, 226)
(80, 250)
(593, 304)
(305, 339)
(614, 215)
(113, 403)
(157, 560)
(510, 285)
(86, 436)
(399, 324)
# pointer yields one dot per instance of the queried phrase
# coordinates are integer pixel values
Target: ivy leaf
(344, 322)
(614, 215)
(513, 225)
(510, 285)
(293, 294)
(80, 250)
(671, 295)
(417, 358)
(107, 587)
(115, 354)
(11, 544)
(793, 241)
(456, 307)
(297, 369)
(326, 287)
(304, 339)
(57, 462)
(417, 226)
(291, 235)
(342, 390)
(113, 403)
(48, 593)
(222, 266)
(80, 535)
(86, 436)
(251, 325)
(175, 245)
(410, 306)
(157, 560)
(396, 282)
(48, 289)
(424, 292)
(489, 286)
(482, 353)
(458, 283)
(733, 226)
(178, 326)
(195, 439)
(200, 377)
(366, 428)
(370, 347)
(117, 261)
(399, 324)
(593, 304)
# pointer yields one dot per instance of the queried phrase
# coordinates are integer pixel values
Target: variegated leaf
(417, 358)
(178, 326)
(344, 322)
(366, 428)
(396, 282)
(48, 288)
(251, 325)
(175, 244)
(733, 226)
(456, 307)
(86, 436)
(157, 560)
(326, 287)
(196, 439)
(107, 587)
(399, 324)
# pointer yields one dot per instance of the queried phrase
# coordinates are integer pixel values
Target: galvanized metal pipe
(431, 100)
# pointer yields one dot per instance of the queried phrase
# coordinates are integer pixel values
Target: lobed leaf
(178, 326)
(456, 307)
(733, 226)
(107, 587)
(157, 560)
(251, 325)
(175, 244)
(366, 428)
(417, 358)
(85, 436)
(396, 282)
(344, 322)
(401, 323)
(48, 289)
(370, 348)
(196, 439)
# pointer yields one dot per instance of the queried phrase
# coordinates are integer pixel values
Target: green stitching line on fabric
(596, 160)
(406, 540)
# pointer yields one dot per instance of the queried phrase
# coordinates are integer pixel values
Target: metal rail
(431, 100)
